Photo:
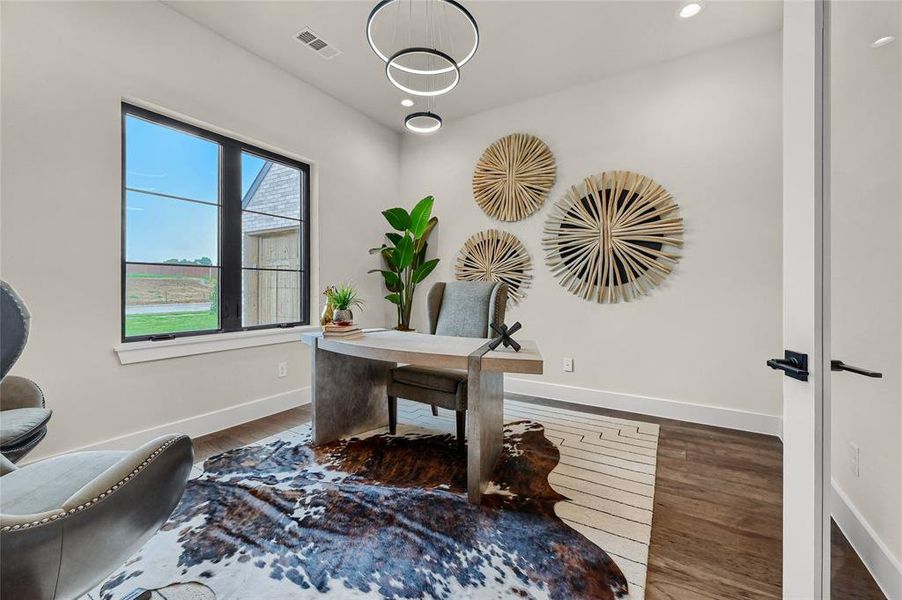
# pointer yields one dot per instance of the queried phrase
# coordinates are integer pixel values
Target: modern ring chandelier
(424, 44)
(396, 62)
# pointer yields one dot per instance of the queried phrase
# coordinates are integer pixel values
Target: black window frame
(231, 269)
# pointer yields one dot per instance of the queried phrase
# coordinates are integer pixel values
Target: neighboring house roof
(273, 201)
(256, 184)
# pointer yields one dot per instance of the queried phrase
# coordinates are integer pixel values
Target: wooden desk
(350, 378)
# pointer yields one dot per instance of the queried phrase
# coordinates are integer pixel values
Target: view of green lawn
(152, 324)
(149, 294)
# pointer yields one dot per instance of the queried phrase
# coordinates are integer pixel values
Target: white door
(805, 405)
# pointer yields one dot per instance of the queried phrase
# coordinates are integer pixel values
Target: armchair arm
(9, 522)
(6, 465)
(129, 467)
(20, 392)
(64, 553)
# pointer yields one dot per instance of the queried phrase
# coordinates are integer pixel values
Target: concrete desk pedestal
(350, 379)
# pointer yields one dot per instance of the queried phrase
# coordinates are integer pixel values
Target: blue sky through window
(163, 160)
(250, 168)
(160, 229)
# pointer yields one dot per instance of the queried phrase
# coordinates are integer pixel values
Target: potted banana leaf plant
(404, 256)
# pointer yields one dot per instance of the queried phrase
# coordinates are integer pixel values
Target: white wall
(866, 254)
(65, 69)
(708, 128)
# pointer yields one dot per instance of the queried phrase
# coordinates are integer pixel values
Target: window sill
(138, 352)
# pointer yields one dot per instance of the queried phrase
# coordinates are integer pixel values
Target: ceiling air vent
(309, 38)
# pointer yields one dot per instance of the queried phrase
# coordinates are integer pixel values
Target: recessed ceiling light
(423, 122)
(887, 39)
(407, 102)
(691, 9)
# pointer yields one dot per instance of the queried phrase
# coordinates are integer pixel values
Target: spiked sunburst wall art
(494, 255)
(614, 238)
(513, 177)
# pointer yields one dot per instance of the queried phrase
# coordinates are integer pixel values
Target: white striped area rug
(606, 470)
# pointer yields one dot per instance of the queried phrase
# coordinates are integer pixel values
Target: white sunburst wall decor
(494, 255)
(613, 238)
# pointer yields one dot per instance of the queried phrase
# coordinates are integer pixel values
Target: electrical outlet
(854, 458)
(283, 369)
(568, 364)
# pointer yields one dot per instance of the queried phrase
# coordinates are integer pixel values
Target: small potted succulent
(343, 297)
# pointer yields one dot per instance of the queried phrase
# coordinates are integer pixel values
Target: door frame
(806, 300)
(826, 312)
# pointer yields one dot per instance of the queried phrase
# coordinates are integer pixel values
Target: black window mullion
(230, 238)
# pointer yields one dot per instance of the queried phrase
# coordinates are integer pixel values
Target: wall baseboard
(884, 567)
(206, 423)
(657, 407)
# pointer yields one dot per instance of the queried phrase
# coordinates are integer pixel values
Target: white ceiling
(527, 48)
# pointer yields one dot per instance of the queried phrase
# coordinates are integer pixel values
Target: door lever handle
(838, 365)
(793, 364)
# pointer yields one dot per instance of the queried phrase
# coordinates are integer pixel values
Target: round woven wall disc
(513, 177)
(613, 238)
(494, 255)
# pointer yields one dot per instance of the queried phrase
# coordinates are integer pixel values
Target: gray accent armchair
(69, 521)
(23, 416)
(457, 308)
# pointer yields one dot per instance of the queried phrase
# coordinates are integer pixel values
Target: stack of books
(343, 330)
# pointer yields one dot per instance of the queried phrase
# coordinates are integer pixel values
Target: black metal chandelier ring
(457, 64)
(423, 122)
(394, 64)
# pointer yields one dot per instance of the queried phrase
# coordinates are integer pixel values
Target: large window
(215, 232)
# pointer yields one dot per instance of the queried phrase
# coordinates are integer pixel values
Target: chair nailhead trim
(71, 511)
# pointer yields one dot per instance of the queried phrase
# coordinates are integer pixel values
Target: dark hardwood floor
(717, 523)
(851, 580)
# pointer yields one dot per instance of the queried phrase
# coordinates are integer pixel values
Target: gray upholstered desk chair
(69, 521)
(23, 417)
(458, 308)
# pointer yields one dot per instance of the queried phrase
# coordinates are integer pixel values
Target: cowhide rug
(373, 517)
